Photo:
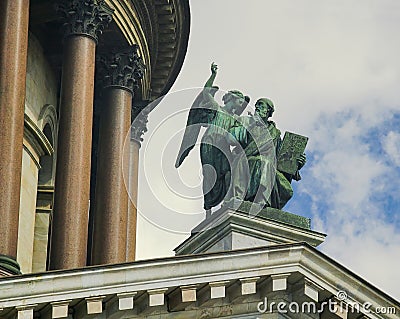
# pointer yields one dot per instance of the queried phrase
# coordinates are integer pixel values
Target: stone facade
(41, 82)
(41, 95)
(27, 213)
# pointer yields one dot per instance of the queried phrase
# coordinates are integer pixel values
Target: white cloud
(372, 254)
(346, 180)
(391, 146)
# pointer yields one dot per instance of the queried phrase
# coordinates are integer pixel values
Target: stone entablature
(202, 286)
(173, 25)
(161, 30)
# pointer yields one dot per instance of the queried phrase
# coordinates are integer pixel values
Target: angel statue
(215, 150)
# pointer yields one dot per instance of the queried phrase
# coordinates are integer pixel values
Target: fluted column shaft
(71, 202)
(14, 19)
(120, 74)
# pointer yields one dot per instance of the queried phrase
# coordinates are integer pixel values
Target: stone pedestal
(233, 227)
(14, 18)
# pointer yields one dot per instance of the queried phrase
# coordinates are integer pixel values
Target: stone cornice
(166, 274)
(36, 139)
(36, 143)
(173, 19)
(88, 18)
(48, 115)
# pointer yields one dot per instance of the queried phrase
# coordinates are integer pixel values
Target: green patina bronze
(239, 153)
(269, 213)
(9, 265)
(215, 152)
(255, 176)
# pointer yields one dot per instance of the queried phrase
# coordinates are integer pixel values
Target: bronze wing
(198, 116)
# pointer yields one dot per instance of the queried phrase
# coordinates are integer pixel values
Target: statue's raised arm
(201, 114)
(213, 75)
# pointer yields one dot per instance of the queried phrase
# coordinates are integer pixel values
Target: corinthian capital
(122, 69)
(85, 17)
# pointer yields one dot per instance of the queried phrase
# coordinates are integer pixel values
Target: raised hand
(210, 81)
(214, 68)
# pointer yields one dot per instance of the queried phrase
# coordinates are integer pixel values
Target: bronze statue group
(238, 152)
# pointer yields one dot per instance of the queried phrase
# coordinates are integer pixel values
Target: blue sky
(333, 72)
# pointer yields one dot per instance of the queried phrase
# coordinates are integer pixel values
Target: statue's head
(233, 100)
(264, 107)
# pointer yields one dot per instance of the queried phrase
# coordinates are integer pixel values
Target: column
(120, 73)
(14, 19)
(85, 20)
(138, 128)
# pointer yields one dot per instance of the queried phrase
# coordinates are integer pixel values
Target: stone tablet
(293, 145)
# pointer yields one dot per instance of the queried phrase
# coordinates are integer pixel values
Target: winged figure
(215, 151)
